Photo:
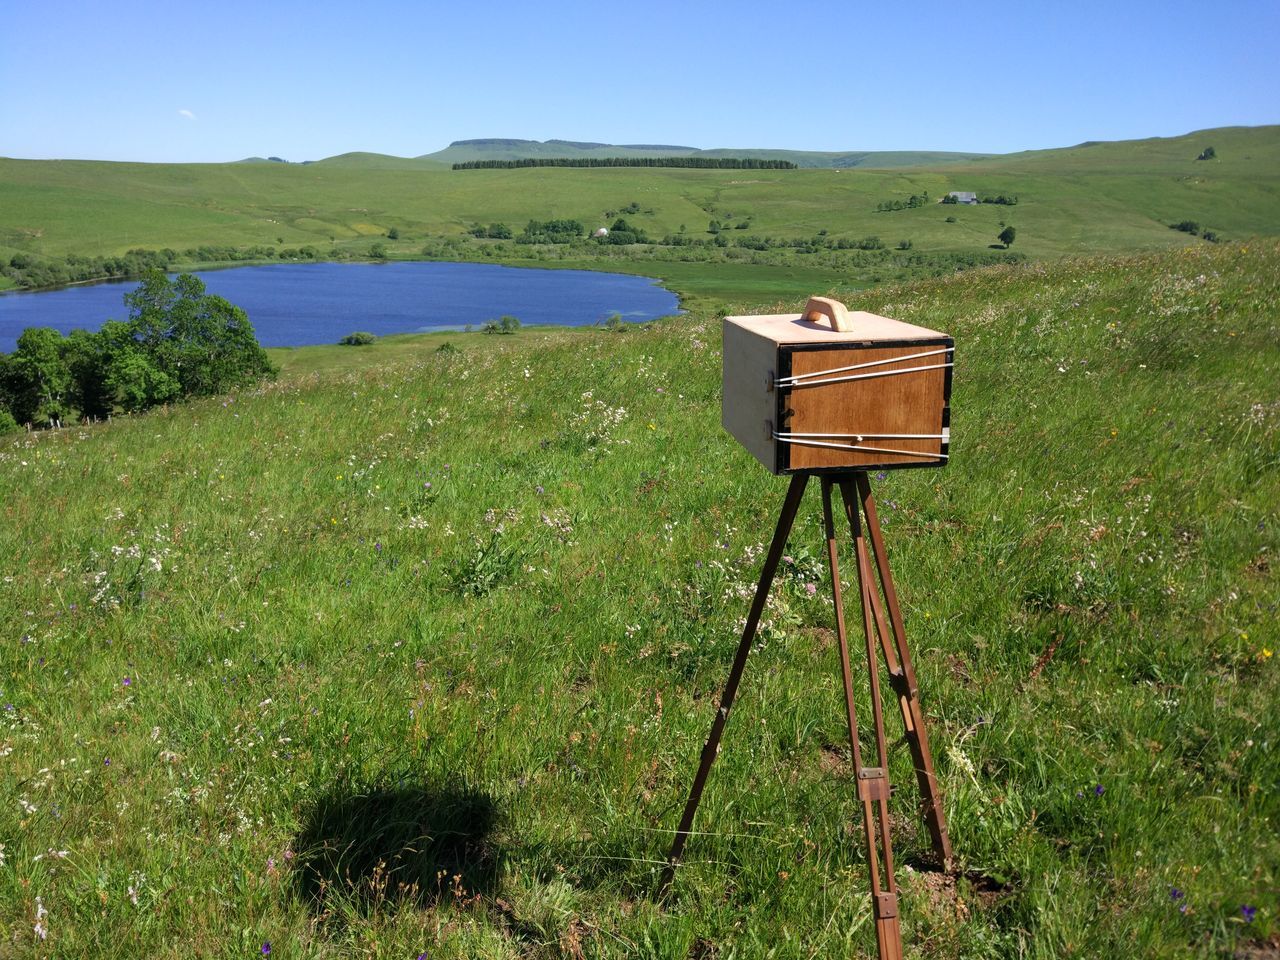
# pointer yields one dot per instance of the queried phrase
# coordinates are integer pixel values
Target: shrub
(508, 324)
(904, 244)
(7, 423)
(447, 348)
(378, 251)
(393, 234)
(551, 231)
(1186, 226)
(357, 339)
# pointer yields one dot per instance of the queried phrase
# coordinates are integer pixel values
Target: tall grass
(416, 657)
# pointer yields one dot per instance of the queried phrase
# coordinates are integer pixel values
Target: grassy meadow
(412, 651)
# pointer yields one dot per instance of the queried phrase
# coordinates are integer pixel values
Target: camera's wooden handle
(833, 311)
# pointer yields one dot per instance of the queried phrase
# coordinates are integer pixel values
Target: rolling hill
(1099, 197)
(505, 149)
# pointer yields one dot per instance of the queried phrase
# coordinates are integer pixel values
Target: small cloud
(186, 113)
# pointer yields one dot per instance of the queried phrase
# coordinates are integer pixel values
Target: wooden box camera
(804, 396)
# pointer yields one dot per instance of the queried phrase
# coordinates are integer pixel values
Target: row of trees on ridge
(700, 163)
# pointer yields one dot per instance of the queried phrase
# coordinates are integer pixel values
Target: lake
(296, 304)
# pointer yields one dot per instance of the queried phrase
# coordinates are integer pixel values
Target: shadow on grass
(405, 844)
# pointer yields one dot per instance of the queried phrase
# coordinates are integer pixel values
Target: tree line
(31, 272)
(911, 203)
(700, 163)
(178, 342)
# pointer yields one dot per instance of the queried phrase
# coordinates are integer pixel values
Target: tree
(37, 378)
(393, 234)
(203, 342)
(1007, 236)
(136, 383)
(1208, 153)
(623, 233)
(83, 354)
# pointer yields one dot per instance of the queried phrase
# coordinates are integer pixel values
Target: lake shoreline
(293, 304)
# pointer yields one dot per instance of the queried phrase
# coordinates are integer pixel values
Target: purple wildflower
(1175, 893)
(1097, 791)
(266, 947)
(1248, 913)
(126, 682)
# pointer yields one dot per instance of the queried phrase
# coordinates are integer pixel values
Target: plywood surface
(748, 404)
(791, 328)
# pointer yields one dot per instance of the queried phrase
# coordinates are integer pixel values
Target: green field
(1105, 197)
(413, 650)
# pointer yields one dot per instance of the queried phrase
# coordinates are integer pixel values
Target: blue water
(292, 305)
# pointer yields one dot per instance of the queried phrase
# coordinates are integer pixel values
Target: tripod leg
(712, 747)
(873, 782)
(903, 679)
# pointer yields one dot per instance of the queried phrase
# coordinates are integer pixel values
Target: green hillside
(1090, 198)
(413, 651)
(379, 161)
(461, 151)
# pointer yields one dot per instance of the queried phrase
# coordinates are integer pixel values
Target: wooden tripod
(873, 781)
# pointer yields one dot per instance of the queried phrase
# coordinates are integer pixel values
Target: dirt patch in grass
(833, 759)
(1268, 949)
(955, 894)
(822, 638)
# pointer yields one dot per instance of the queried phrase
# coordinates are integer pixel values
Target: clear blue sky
(131, 80)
